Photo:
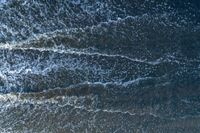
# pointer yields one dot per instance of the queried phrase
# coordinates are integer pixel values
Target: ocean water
(99, 66)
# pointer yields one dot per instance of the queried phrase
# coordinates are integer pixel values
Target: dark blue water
(100, 66)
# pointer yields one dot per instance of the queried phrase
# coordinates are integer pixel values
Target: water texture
(105, 66)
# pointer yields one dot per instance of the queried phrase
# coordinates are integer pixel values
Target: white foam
(78, 52)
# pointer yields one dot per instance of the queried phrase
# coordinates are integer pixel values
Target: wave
(35, 69)
(45, 68)
(107, 99)
(66, 17)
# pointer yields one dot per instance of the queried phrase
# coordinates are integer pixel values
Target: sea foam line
(72, 51)
(14, 100)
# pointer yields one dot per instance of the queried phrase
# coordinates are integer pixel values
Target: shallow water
(99, 66)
